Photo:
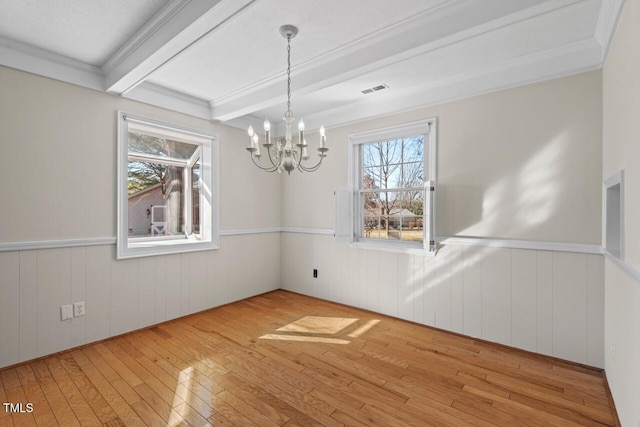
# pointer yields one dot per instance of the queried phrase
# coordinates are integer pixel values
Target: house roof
(146, 190)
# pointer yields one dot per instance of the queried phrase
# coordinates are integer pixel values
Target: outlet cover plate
(78, 309)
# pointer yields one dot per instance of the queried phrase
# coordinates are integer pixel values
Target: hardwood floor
(283, 359)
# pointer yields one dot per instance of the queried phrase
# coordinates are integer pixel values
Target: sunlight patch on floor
(318, 325)
(364, 328)
(322, 329)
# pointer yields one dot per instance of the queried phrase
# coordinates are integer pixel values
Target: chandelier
(283, 155)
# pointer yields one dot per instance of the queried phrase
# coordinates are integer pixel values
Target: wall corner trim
(624, 266)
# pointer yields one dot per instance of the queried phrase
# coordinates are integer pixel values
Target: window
(167, 188)
(390, 198)
(613, 204)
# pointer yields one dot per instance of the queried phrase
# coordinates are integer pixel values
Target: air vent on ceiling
(375, 88)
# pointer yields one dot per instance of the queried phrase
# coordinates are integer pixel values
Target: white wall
(522, 164)
(58, 175)
(621, 150)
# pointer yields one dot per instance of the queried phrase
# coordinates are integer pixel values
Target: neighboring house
(140, 209)
(408, 218)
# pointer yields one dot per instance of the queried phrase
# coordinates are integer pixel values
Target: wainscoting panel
(622, 343)
(121, 295)
(542, 301)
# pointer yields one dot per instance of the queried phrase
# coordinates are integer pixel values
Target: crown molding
(38, 61)
(608, 19)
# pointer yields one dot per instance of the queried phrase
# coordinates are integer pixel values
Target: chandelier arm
(275, 164)
(311, 168)
(267, 169)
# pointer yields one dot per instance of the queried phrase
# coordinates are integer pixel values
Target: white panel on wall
(372, 280)
(622, 342)
(337, 277)
(318, 258)
(544, 306)
(98, 302)
(195, 274)
(363, 287)
(570, 306)
(457, 289)
(78, 293)
(28, 347)
(161, 289)
(388, 284)
(147, 281)
(425, 288)
(54, 278)
(442, 285)
(496, 295)
(173, 270)
(9, 307)
(223, 292)
(595, 309)
(351, 290)
(406, 281)
(523, 299)
(472, 290)
(124, 295)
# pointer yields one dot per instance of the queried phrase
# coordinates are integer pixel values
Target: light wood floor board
(283, 359)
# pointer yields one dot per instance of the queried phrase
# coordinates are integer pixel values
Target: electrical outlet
(66, 312)
(78, 309)
(613, 352)
(315, 273)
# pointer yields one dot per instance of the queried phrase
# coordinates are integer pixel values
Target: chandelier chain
(289, 73)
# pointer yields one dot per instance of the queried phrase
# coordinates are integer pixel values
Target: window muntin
(167, 194)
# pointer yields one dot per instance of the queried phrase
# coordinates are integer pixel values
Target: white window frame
(426, 128)
(207, 154)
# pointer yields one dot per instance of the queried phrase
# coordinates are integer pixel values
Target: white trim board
(53, 244)
(523, 244)
(473, 241)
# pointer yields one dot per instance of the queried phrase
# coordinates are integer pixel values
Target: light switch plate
(66, 312)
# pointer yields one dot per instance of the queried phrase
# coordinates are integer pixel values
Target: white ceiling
(225, 60)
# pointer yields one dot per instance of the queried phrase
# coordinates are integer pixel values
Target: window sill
(411, 248)
(164, 247)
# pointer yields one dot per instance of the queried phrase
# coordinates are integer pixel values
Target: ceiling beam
(176, 27)
(432, 29)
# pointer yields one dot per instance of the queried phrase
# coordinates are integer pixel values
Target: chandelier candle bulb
(250, 132)
(255, 141)
(323, 137)
(301, 132)
(267, 132)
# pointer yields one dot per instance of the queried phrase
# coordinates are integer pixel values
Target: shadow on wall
(517, 201)
(521, 199)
